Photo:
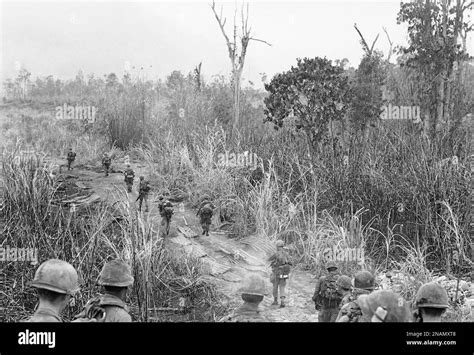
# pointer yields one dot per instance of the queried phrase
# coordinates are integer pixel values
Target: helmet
(58, 276)
(384, 306)
(431, 295)
(331, 265)
(280, 243)
(116, 273)
(364, 280)
(142, 177)
(254, 285)
(344, 282)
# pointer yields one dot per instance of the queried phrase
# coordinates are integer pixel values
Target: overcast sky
(59, 38)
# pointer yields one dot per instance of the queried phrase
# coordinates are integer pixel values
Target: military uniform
(166, 212)
(205, 213)
(129, 176)
(44, 314)
(143, 190)
(350, 310)
(106, 161)
(71, 156)
(329, 308)
(110, 306)
(280, 263)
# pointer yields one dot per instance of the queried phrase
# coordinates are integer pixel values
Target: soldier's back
(44, 315)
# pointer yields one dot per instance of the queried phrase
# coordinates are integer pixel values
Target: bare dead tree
(391, 44)
(237, 59)
(368, 49)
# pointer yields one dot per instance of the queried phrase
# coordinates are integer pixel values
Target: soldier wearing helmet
(106, 161)
(166, 212)
(384, 306)
(115, 278)
(431, 301)
(56, 281)
(344, 286)
(205, 213)
(71, 156)
(143, 191)
(364, 283)
(326, 296)
(252, 293)
(129, 175)
(280, 263)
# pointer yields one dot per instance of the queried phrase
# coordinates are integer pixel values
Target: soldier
(129, 176)
(280, 263)
(56, 281)
(253, 293)
(431, 301)
(143, 190)
(326, 295)
(106, 161)
(384, 306)
(71, 156)
(350, 312)
(166, 212)
(344, 287)
(205, 212)
(115, 278)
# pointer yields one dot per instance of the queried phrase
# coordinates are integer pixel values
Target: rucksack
(92, 309)
(329, 288)
(168, 211)
(144, 187)
(206, 211)
(71, 155)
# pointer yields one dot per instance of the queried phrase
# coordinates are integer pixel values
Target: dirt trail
(229, 260)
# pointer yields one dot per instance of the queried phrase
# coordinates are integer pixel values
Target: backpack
(283, 271)
(168, 211)
(144, 187)
(206, 211)
(329, 288)
(129, 175)
(92, 309)
(71, 155)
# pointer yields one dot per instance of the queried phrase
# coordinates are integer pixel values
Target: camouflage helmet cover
(431, 295)
(116, 273)
(56, 275)
(364, 280)
(280, 243)
(384, 306)
(344, 282)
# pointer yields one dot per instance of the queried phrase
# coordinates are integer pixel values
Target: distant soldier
(253, 293)
(71, 156)
(364, 283)
(143, 190)
(280, 263)
(115, 278)
(129, 175)
(56, 281)
(205, 212)
(106, 161)
(326, 296)
(166, 212)
(431, 301)
(384, 306)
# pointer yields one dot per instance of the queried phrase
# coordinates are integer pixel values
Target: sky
(60, 38)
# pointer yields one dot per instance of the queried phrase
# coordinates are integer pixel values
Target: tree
(435, 29)
(237, 60)
(315, 92)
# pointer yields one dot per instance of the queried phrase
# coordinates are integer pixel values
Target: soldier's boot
(282, 304)
(275, 301)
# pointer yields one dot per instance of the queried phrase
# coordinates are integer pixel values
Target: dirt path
(229, 260)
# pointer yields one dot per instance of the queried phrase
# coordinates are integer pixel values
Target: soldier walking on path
(143, 190)
(129, 175)
(106, 161)
(280, 263)
(166, 212)
(327, 296)
(205, 212)
(71, 156)
(115, 278)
